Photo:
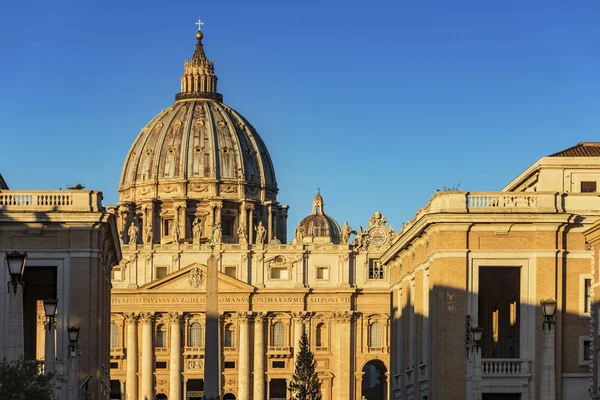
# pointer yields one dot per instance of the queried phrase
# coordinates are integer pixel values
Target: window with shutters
(229, 336)
(161, 336)
(375, 335)
(278, 335)
(114, 336)
(196, 335)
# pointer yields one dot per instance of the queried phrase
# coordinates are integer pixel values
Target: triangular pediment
(193, 279)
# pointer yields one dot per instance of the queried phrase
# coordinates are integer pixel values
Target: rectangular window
(585, 295)
(229, 364)
(376, 270)
(227, 226)
(587, 288)
(161, 365)
(279, 273)
(588, 187)
(585, 347)
(116, 275)
(167, 225)
(278, 364)
(114, 365)
(322, 273)
(161, 272)
(231, 271)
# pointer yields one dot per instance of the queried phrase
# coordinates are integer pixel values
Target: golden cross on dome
(199, 23)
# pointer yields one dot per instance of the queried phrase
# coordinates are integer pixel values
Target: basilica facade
(446, 308)
(197, 181)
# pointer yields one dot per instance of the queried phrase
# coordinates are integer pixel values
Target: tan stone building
(199, 174)
(71, 244)
(472, 259)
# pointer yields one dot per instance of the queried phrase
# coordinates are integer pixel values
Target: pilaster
(244, 358)
(131, 389)
(259, 356)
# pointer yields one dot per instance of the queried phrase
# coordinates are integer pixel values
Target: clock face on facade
(377, 236)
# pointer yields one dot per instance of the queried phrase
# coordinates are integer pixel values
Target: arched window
(321, 339)
(229, 336)
(196, 336)
(161, 336)
(375, 335)
(278, 335)
(114, 336)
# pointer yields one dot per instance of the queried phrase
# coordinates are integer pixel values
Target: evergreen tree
(22, 380)
(305, 383)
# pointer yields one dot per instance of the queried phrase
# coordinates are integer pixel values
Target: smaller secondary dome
(318, 227)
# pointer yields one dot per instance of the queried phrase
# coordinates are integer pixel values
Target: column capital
(243, 316)
(343, 316)
(131, 317)
(146, 317)
(174, 317)
(259, 317)
(300, 316)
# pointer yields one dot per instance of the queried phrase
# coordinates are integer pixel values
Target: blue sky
(379, 103)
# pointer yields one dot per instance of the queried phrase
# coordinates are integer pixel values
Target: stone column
(298, 322)
(259, 356)
(548, 375)
(175, 357)
(14, 333)
(345, 365)
(49, 351)
(251, 224)
(146, 320)
(131, 390)
(269, 224)
(244, 358)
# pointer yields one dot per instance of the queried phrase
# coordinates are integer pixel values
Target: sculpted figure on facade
(216, 235)
(176, 234)
(197, 230)
(346, 232)
(149, 232)
(196, 278)
(242, 237)
(261, 233)
(132, 232)
(299, 235)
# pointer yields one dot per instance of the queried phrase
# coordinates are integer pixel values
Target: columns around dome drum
(191, 221)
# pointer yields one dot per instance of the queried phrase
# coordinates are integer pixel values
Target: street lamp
(548, 309)
(16, 267)
(73, 338)
(477, 335)
(50, 306)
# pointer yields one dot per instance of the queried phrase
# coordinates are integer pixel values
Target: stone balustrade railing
(500, 367)
(50, 200)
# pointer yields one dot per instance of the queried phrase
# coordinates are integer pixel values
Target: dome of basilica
(199, 167)
(318, 227)
(198, 141)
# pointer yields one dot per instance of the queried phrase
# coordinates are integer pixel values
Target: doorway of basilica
(374, 382)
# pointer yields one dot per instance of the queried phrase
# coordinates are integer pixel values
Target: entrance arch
(229, 396)
(161, 396)
(374, 381)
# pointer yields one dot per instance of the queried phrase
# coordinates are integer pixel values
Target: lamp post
(476, 336)
(73, 386)
(16, 268)
(548, 310)
(50, 306)
(15, 263)
(548, 375)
